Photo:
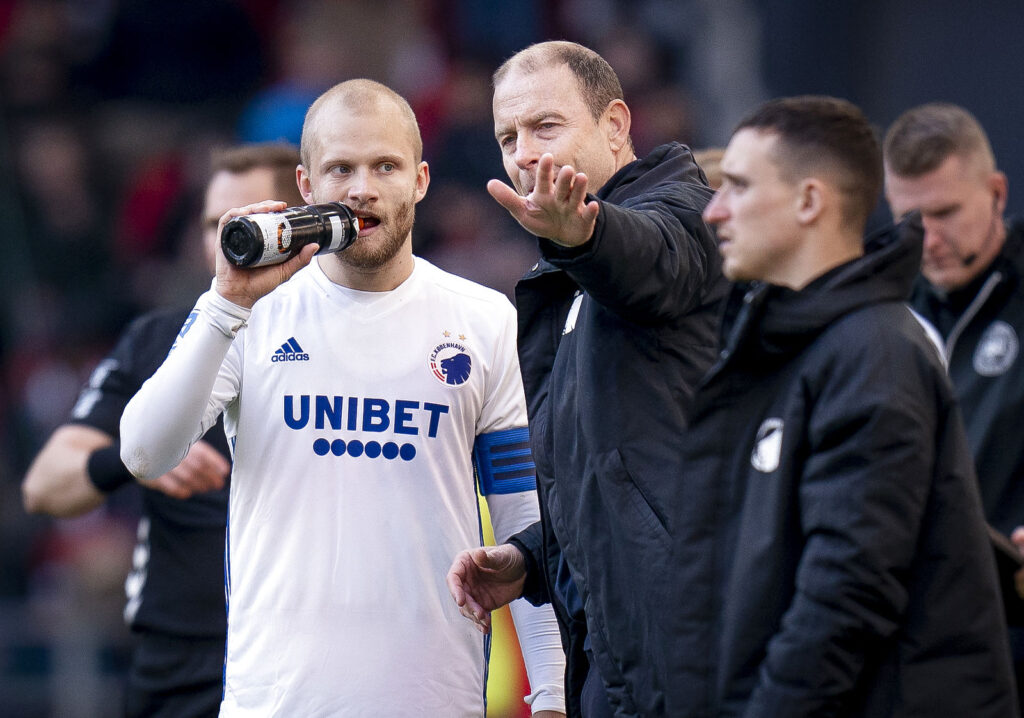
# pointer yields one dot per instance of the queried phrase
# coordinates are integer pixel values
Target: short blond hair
(359, 95)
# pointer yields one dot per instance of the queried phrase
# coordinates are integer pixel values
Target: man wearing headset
(939, 160)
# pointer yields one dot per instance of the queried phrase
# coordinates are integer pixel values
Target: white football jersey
(353, 418)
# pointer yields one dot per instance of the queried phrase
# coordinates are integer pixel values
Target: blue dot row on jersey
(372, 449)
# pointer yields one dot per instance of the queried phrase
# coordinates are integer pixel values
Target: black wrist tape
(105, 469)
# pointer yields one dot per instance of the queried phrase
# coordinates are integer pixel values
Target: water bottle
(257, 240)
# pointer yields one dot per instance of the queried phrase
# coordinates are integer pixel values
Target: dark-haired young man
(833, 503)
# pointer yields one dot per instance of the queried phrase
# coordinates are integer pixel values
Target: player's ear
(305, 187)
(422, 180)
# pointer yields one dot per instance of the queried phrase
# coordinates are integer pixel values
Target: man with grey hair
(365, 398)
(616, 326)
(938, 160)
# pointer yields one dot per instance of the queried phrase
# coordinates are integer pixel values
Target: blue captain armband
(504, 462)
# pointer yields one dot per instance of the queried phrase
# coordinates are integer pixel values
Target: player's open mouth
(367, 222)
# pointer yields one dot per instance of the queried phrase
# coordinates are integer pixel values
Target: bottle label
(337, 234)
(277, 233)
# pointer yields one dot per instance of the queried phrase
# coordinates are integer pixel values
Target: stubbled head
(361, 146)
(364, 97)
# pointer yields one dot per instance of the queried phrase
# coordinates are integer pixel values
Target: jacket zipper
(972, 310)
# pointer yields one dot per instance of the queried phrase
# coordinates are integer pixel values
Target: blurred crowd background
(108, 112)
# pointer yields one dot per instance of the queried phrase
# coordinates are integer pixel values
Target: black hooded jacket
(613, 338)
(982, 326)
(830, 557)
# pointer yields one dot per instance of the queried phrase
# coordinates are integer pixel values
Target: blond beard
(375, 252)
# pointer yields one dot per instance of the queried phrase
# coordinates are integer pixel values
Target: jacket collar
(1009, 263)
(670, 162)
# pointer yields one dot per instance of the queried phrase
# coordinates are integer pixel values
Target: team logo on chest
(768, 446)
(997, 349)
(450, 362)
(289, 351)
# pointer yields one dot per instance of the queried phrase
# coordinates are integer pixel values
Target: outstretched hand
(244, 286)
(483, 579)
(556, 208)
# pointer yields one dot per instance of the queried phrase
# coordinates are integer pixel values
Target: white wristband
(222, 314)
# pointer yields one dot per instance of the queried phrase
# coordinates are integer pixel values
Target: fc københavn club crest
(450, 363)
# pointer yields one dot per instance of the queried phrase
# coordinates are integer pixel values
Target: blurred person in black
(938, 161)
(616, 327)
(175, 589)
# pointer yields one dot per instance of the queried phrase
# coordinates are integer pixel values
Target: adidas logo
(290, 351)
